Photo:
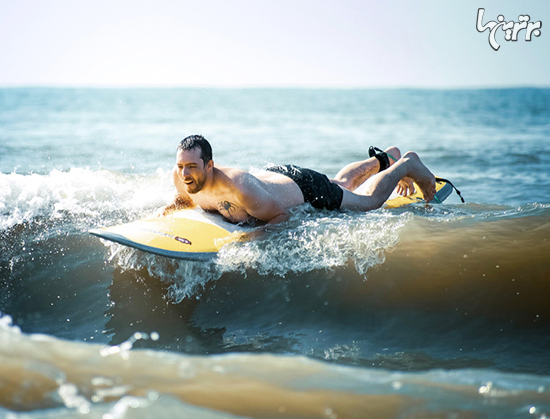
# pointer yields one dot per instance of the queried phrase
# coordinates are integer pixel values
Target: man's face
(191, 169)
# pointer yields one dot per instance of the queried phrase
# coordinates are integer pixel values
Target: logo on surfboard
(181, 240)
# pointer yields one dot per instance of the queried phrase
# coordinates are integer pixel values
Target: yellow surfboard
(187, 234)
(196, 235)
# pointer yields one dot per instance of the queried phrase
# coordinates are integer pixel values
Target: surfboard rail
(118, 238)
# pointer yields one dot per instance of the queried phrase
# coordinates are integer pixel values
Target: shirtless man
(266, 196)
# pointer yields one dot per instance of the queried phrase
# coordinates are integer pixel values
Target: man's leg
(354, 174)
(385, 182)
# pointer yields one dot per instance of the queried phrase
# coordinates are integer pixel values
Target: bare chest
(226, 205)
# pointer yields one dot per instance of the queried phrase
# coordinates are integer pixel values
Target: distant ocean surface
(427, 311)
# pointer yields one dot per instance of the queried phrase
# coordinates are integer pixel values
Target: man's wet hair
(197, 141)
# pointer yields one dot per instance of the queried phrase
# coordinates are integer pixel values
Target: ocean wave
(57, 378)
(41, 208)
(428, 291)
(449, 239)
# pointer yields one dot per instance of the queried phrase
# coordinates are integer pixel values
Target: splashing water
(306, 243)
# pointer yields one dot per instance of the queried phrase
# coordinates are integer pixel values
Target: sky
(269, 43)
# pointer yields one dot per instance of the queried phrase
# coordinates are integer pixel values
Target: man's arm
(257, 202)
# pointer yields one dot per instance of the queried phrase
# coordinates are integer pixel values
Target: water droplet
(396, 385)
(486, 389)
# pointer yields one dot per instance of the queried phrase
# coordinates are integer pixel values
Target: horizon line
(273, 87)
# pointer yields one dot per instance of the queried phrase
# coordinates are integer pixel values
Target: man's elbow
(279, 218)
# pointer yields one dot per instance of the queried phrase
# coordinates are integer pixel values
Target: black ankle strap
(381, 156)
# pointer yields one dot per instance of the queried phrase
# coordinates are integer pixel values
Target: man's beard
(195, 186)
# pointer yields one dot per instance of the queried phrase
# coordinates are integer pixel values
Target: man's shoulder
(240, 182)
(233, 175)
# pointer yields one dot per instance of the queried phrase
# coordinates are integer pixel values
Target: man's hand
(167, 209)
(405, 186)
(178, 204)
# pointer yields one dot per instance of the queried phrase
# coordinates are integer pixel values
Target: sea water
(422, 311)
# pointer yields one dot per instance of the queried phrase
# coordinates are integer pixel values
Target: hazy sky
(336, 43)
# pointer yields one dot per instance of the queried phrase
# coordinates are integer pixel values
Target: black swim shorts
(317, 189)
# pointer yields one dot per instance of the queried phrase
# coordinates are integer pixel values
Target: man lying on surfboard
(266, 196)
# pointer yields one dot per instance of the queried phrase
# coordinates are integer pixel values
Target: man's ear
(210, 165)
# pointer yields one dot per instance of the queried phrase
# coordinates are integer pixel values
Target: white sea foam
(317, 243)
(79, 192)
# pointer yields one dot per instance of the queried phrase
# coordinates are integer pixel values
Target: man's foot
(405, 185)
(421, 175)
